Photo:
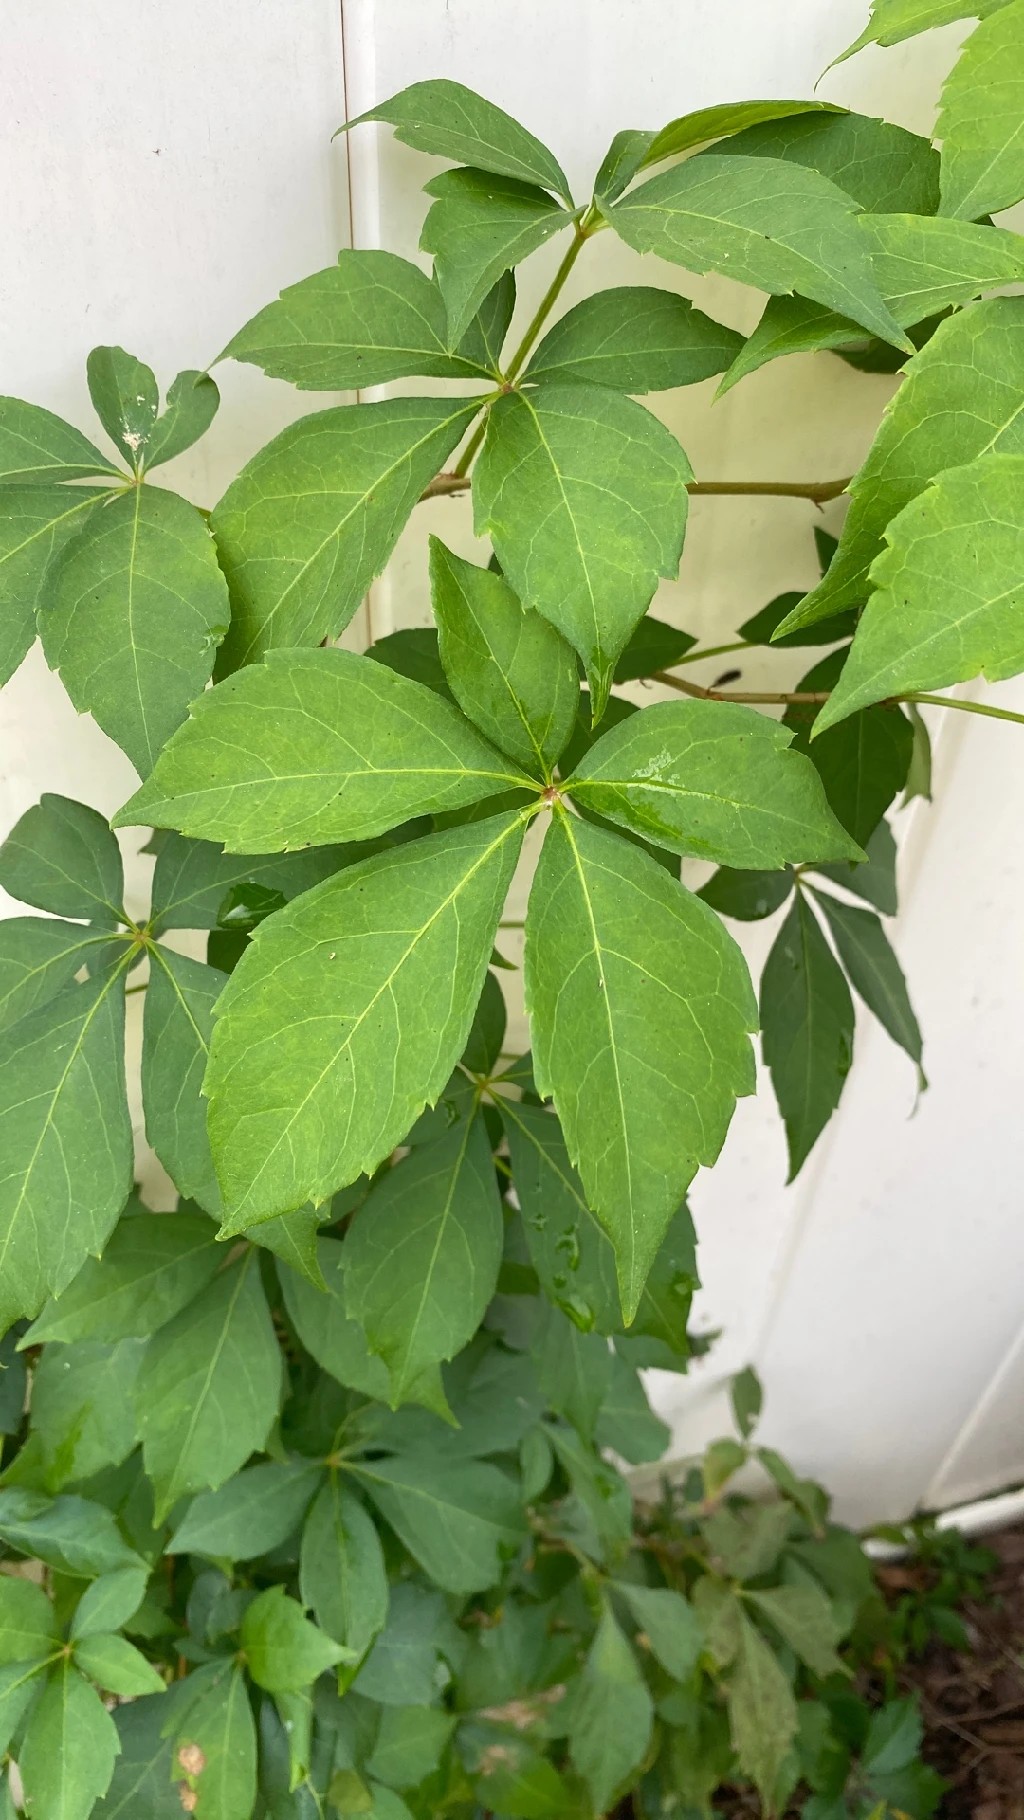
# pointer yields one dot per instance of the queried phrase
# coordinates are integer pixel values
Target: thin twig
(819, 492)
(744, 695)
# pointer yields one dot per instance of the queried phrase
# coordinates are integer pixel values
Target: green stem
(820, 491)
(821, 695)
(966, 707)
(694, 657)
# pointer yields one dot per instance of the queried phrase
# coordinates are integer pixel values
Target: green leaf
(949, 591)
(252, 1514)
(874, 879)
(807, 1030)
(745, 1394)
(713, 780)
(485, 337)
(654, 645)
(863, 763)
(893, 1739)
(37, 446)
(626, 1422)
(284, 1651)
(394, 951)
(342, 1576)
(38, 957)
(669, 1623)
(62, 1085)
(152, 1266)
(20, 1685)
(83, 1407)
(874, 971)
(568, 1249)
(402, 1668)
(762, 221)
(116, 1665)
(962, 396)
(351, 750)
(722, 121)
(635, 339)
(747, 896)
(192, 401)
(28, 1626)
(110, 1602)
(62, 857)
(70, 1747)
(584, 495)
(35, 524)
(663, 1016)
(477, 228)
(316, 513)
(528, 1785)
(218, 1725)
(573, 1369)
(979, 119)
(508, 668)
(134, 610)
(293, 1238)
(490, 1021)
(194, 880)
(413, 652)
(209, 1387)
(125, 398)
(423, 1252)
(762, 1711)
(368, 319)
(141, 1787)
(457, 1519)
(69, 1533)
(409, 1744)
(722, 1460)
(450, 121)
(177, 1022)
(894, 20)
(612, 1715)
(320, 1320)
(883, 167)
(804, 1618)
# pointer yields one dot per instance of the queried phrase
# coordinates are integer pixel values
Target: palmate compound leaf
(979, 120)
(626, 967)
(949, 591)
(713, 780)
(347, 750)
(133, 611)
(892, 21)
(509, 669)
(38, 956)
(368, 319)
(456, 1518)
(35, 523)
(923, 264)
(962, 396)
(347, 1015)
(342, 1576)
(69, 1750)
(423, 1254)
(209, 1386)
(449, 120)
(65, 1139)
(217, 1722)
(583, 494)
(152, 1266)
(807, 1024)
(314, 516)
(764, 222)
(635, 339)
(477, 228)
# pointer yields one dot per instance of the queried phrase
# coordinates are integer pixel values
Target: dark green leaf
(644, 1010)
(37, 446)
(116, 1665)
(722, 121)
(35, 524)
(979, 119)
(873, 879)
(894, 1738)
(508, 668)
(194, 880)
(807, 1030)
(747, 896)
(569, 1251)
(413, 652)
(135, 607)
(449, 120)
(209, 1387)
(252, 1514)
(874, 971)
(477, 228)
(635, 339)
(803, 1617)
(402, 1668)
(713, 780)
(485, 337)
(863, 763)
(745, 1393)
(39, 956)
(341, 1569)
(653, 646)
(284, 1651)
(62, 1083)
(762, 1712)
(761, 628)
(125, 398)
(110, 1602)
(612, 1715)
(626, 1423)
(320, 1320)
(394, 952)
(62, 857)
(584, 495)
(423, 1252)
(192, 401)
(883, 167)
(670, 1625)
(218, 1729)
(68, 1533)
(368, 319)
(409, 1744)
(573, 1369)
(456, 1519)
(762, 221)
(69, 1750)
(141, 1787)
(490, 1021)
(177, 1023)
(83, 1407)
(153, 1265)
(292, 1237)
(314, 516)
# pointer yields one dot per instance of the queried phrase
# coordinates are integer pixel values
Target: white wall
(167, 169)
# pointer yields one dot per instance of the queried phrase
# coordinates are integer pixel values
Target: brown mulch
(973, 1702)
